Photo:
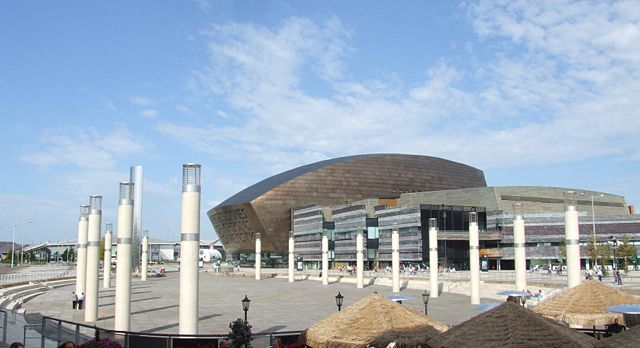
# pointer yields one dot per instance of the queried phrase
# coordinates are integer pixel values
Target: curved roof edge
(252, 192)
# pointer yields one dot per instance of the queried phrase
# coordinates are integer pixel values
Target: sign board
(191, 343)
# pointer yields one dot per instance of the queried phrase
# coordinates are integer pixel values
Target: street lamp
(593, 218)
(339, 299)
(425, 299)
(24, 232)
(245, 307)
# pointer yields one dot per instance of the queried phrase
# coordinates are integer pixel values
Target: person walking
(74, 299)
(80, 300)
(600, 274)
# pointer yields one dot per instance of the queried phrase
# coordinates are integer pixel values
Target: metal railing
(4, 325)
(60, 330)
(13, 278)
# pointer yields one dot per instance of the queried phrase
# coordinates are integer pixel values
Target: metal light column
(258, 264)
(395, 260)
(519, 250)
(572, 239)
(106, 277)
(13, 244)
(189, 245)
(93, 260)
(81, 262)
(145, 257)
(291, 256)
(325, 258)
(474, 257)
(360, 260)
(123, 258)
(433, 258)
(136, 177)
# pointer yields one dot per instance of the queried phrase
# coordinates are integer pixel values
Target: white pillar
(106, 273)
(395, 260)
(145, 257)
(474, 258)
(519, 248)
(81, 262)
(93, 260)
(189, 245)
(325, 258)
(572, 238)
(433, 257)
(360, 260)
(291, 256)
(123, 258)
(258, 266)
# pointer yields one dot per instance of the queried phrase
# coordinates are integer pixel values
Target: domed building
(266, 207)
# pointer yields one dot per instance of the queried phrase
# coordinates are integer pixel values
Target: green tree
(625, 252)
(240, 334)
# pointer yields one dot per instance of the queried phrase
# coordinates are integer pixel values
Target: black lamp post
(425, 299)
(339, 298)
(245, 306)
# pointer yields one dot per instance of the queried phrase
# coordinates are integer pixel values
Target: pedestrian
(67, 344)
(600, 274)
(16, 345)
(74, 299)
(80, 300)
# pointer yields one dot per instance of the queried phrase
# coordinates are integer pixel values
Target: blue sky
(533, 93)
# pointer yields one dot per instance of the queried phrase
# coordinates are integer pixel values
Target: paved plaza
(276, 304)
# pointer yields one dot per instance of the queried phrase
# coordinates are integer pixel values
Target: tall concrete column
(145, 257)
(433, 257)
(189, 245)
(258, 265)
(474, 257)
(325, 258)
(123, 258)
(572, 239)
(360, 260)
(81, 262)
(395, 260)
(291, 256)
(519, 248)
(93, 260)
(106, 273)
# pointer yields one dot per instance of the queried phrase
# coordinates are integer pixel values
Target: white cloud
(85, 148)
(142, 101)
(149, 113)
(561, 84)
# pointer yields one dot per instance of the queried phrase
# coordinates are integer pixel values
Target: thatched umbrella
(376, 321)
(628, 338)
(511, 325)
(586, 305)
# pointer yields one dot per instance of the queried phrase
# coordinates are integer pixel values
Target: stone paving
(276, 305)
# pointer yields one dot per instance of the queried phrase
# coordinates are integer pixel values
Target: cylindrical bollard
(519, 248)
(433, 257)
(189, 245)
(145, 257)
(572, 239)
(359, 260)
(291, 256)
(106, 273)
(93, 260)
(258, 266)
(325, 258)
(123, 258)
(474, 258)
(81, 264)
(395, 260)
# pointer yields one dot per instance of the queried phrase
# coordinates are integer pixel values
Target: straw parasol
(628, 338)
(511, 325)
(586, 304)
(376, 321)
